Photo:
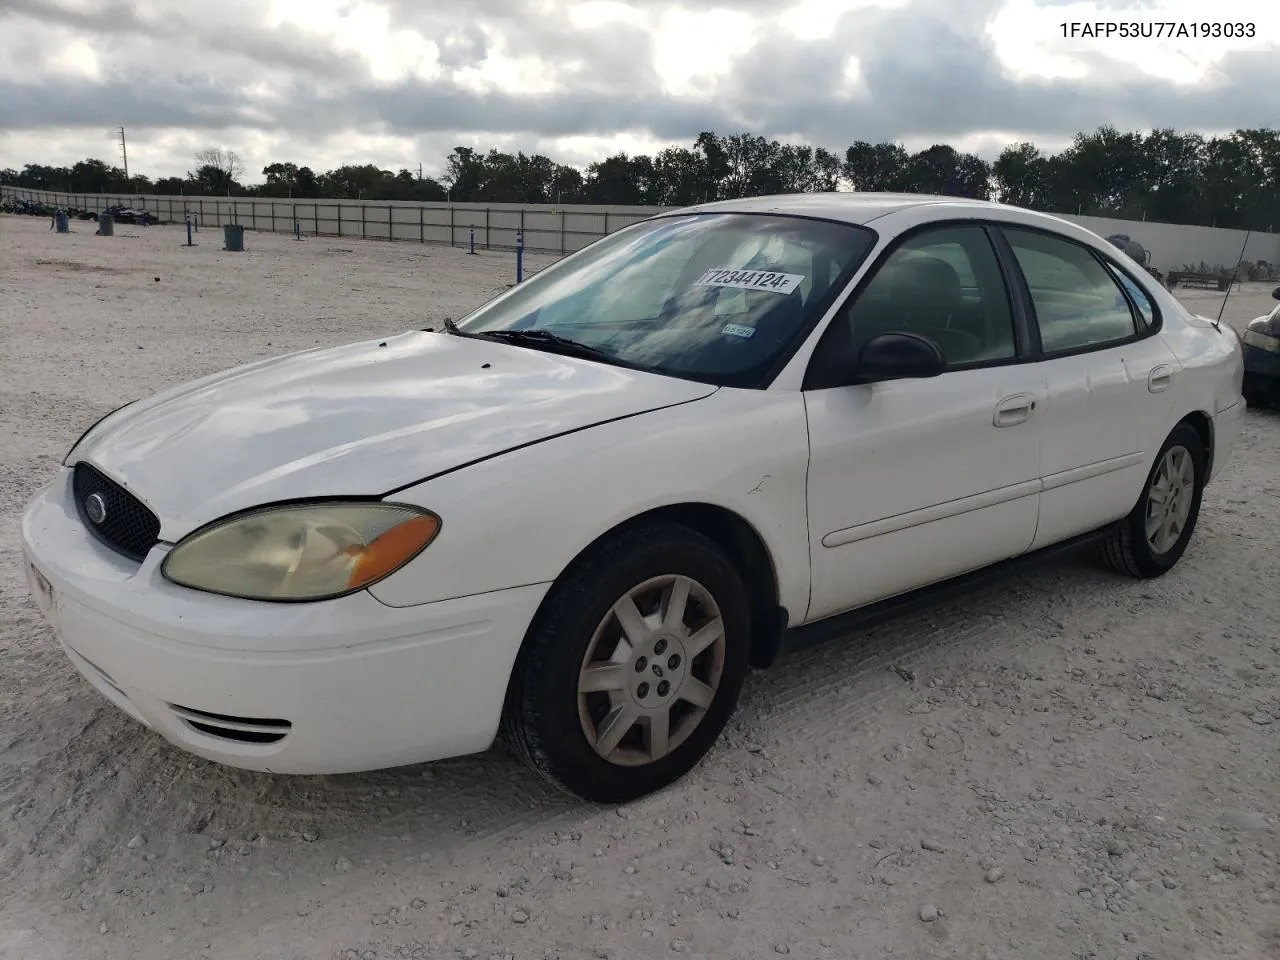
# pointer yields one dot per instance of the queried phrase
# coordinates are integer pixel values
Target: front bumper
(313, 688)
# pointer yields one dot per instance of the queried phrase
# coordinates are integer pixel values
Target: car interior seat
(928, 299)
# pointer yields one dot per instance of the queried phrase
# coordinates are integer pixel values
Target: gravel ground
(1067, 764)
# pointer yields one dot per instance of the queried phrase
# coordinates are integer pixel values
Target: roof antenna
(1236, 273)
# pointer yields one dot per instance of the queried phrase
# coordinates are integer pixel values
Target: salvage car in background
(586, 509)
(124, 214)
(1262, 358)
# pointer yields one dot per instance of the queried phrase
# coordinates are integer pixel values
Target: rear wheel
(633, 666)
(1149, 541)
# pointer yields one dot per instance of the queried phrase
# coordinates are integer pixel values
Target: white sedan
(581, 513)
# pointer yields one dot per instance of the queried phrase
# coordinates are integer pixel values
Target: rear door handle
(1159, 378)
(1014, 410)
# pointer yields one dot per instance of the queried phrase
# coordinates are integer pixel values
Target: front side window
(945, 284)
(714, 297)
(1078, 303)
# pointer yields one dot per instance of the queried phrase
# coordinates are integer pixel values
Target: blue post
(297, 230)
(519, 255)
(473, 240)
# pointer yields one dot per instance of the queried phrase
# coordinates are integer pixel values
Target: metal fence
(546, 228)
(564, 229)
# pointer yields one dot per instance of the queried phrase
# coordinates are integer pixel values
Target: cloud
(187, 28)
(402, 81)
(465, 47)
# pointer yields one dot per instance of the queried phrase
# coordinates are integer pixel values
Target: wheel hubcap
(1169, 499)
(651, 670)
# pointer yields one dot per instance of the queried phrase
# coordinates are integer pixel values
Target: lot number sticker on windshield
(768, 280)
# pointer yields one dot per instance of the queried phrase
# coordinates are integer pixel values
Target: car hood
(355, 420)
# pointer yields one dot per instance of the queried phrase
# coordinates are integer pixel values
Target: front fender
(522, 517)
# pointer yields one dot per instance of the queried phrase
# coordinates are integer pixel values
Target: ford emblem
(95, 508)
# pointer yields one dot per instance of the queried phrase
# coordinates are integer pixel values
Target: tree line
(1226, 181)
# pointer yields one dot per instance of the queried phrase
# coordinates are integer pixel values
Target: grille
(128, 527)
(250, 730)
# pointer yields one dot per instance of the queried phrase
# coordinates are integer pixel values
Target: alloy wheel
(651, 670)
(1169, 499)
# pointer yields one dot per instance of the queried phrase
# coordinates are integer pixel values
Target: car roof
(851, 207)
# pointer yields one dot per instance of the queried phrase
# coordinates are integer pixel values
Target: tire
(1128, 549)
(547, 716)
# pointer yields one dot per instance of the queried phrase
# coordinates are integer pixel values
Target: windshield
(718, 297)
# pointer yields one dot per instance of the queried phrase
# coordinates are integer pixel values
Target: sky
(399, 83)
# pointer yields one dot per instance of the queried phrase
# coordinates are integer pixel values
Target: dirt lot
(1065, 765)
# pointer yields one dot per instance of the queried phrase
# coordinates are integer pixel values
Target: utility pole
(124, 154)
(419, 172)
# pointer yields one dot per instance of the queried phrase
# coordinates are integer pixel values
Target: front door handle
(1159, 378)
(1014, 410)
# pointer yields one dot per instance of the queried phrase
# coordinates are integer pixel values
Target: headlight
(1263, 335)
(66, 461)
(295, 552)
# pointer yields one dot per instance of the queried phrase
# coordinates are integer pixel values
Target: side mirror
(1276, 293)
(899, 356)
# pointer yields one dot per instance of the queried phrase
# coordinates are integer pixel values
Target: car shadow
(111, 778)
(493, 792)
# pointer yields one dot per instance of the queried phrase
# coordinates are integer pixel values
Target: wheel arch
(743, 546)
(1125, 548)
(1202, 423)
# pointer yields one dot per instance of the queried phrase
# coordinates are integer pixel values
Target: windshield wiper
(448, 326)
(548, 340)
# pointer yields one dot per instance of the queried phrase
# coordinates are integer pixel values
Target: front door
(914, 481)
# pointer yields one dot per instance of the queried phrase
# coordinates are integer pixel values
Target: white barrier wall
(564, 229)
(1174, 246)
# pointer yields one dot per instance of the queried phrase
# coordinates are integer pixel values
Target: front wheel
(1149, 541)
(632, 667)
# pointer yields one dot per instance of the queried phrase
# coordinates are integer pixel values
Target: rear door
(1108, 378)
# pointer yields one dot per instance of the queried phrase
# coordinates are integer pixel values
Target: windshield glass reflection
(717, 297)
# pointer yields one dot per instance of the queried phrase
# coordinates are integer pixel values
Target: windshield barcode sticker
(768, 280)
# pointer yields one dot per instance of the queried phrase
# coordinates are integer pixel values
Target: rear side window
(1078, 301)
